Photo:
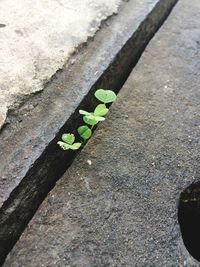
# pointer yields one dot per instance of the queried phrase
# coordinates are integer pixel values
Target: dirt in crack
(189, 219)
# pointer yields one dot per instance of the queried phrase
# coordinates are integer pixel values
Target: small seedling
(90, 118)
(68, 142)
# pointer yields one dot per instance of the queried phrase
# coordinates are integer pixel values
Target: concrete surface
(122, 210)
(36, 122)
(37, 39)
(31, 161)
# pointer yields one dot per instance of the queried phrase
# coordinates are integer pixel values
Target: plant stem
(84, 142)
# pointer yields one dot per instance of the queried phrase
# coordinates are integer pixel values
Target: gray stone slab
(122, 209)
(35, 44)
(35, 123)
(38, 39)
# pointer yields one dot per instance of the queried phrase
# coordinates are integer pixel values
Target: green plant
(68, 142)
(91, 119)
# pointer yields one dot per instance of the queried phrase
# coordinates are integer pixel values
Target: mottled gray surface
(122, 210)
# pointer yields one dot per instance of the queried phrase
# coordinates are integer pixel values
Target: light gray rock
(122, 209)
(38, 38)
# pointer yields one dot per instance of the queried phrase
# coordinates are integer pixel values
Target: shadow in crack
(189, 219)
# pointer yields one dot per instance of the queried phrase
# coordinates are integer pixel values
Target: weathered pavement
(30, 160)
(37, 120)
(122, 210)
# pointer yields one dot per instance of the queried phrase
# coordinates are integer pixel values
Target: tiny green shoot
(91, 119)
(68, 142)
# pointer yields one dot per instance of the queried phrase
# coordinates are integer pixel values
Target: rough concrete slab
(35, 123)
(37, 39)
(31, 161)
(105, 61)
(122, 210)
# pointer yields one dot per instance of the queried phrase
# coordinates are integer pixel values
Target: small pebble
(89, 162)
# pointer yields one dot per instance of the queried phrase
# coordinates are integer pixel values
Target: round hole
(189, 219)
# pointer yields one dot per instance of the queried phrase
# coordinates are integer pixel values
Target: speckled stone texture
(122, 209)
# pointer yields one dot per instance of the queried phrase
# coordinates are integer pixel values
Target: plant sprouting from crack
(91, 119)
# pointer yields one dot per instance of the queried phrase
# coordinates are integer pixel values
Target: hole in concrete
(2, 25)
(189, 219)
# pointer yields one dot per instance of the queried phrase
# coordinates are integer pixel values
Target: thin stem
(84, 142)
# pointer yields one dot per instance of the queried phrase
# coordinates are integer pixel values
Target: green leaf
(83, 112)
(68, 138)
(75, 146)
(85, 132)
(90, 120)
(105, 96)
(98, 118)
(101, 110)
(63, 145)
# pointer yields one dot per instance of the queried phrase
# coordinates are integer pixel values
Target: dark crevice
(189, 219)
(23, 202)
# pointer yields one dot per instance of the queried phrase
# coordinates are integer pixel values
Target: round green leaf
(83, 112)
(68, 138)
(101, 110)
(85, 132)
(75, 146)
(105, 96)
